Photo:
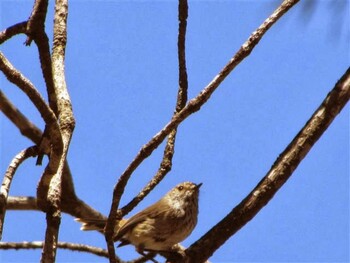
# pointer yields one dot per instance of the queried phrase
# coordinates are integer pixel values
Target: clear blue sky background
(121, 67)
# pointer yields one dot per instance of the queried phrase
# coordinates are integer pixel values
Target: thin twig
(63, 245)
(143, 259)
(6, 183)
(280, 172)
(166, 163)
(181, 54)
(193, 106)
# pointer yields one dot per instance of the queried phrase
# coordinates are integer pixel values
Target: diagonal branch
(194, 105)
(27, 128)
(14, 76)
(36, 32)
(71, 204)
(10, 172)
(11, 31)
(280, 172)
(166, 163)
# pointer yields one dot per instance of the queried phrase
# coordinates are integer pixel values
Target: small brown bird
(160, 226)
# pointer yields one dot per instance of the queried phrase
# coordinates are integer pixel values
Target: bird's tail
(98, 224)
(91, 224)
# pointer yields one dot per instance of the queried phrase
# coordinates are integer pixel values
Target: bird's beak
(198, 185)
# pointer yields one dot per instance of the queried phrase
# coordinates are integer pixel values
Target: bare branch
(280, 172)
(36, 21)
(74, 207)
(6, 183)
(166, 163)
(70, 203)
(181, 48)
(42, 41)
(21, 203)
(66, 245)
(192, 106)
(14, 76)
(36, 32)
(11, 31)
(63, 245)
(51, 188)
(143, 259)
(27, 128)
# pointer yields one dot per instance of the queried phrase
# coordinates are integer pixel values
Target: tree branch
(36, 32)
(11, 31)
(37, 20)
(22, 203)
(166, 163)
(14, 76)
(27, 128)
(6, 183)
(193, 106)
(280, 172)
(71, 204)
(50, 188)
(63, 245)
(36, 29)
(181, 54)
(75, 207)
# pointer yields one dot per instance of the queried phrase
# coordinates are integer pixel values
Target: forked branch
(166, 163)
(193, 106)
(6, 183)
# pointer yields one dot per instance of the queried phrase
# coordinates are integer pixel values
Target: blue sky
(121, 70)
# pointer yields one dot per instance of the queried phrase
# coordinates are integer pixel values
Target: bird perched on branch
(160, 226)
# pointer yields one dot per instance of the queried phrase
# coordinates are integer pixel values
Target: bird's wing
(149, 212)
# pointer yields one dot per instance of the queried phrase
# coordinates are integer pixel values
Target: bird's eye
(180, 188)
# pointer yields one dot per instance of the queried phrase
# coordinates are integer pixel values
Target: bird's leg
(149, 256)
